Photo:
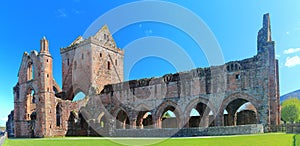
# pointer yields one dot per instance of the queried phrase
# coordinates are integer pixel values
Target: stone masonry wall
(189, 132)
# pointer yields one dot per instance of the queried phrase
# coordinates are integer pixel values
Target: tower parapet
(44, 46)
(264, 35)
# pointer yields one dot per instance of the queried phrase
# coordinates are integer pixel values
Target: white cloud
(75, 11)
(292, 61)
(291, 50)
(61, 13)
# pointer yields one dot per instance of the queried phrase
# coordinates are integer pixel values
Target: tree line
(290, 110)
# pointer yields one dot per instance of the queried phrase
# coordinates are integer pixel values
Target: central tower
(89, 64)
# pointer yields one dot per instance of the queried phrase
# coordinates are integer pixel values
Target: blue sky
(234, 23)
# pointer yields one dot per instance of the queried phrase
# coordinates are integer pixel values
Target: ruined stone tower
(34, 94)
(89, 64)
(266, 51)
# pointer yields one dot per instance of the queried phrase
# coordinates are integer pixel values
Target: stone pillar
(140, 124)
(230, 119)
(111, 126)
(204, 120)
(133, 123)
(219, 120)
(180, 122)
(157, 123)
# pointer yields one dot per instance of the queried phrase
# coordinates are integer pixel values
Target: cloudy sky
(234, 24)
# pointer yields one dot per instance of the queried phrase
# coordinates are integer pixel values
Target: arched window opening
(194, 112)
(200, 116)
(30, 103)
(122, 120)
(33, 116)
(102, 120)
(58, 115)
(246, 114)
(144, 120)
(240, 112)
(194, 118)
(30, 71)
(102, 123)
(169, 120)
(72, 120)
(237, 76)
(108, 65)
(79, 96)
(32, 95)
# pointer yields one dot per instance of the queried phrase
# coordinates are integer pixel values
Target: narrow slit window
(108, 65)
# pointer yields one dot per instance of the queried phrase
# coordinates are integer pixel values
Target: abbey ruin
(112, 106)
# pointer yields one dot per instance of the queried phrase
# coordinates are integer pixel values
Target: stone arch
(102, 120)
(144, 117)
(246, 115)
(31, 99)
(122, 119)
(30, 70)
(72, 121)
(58, 112)
(74, 91)
(232, 103)
(164, 107)
(233, 66)
(205, 118)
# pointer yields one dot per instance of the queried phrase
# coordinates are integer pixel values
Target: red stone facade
(94, 66)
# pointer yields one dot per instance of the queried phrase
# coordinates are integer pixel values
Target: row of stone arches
(236, 109)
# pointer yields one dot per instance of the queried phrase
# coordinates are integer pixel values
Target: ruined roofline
(173, 77)
(95, 39)
(25, 56)
(90, 40)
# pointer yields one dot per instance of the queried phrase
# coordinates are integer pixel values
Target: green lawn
(297, 142)
(274, 139)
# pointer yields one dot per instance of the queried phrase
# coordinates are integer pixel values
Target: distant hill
(291, 94)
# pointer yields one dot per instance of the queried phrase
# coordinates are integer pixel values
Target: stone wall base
(189, 132)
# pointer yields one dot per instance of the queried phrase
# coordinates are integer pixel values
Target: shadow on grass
(296, 140)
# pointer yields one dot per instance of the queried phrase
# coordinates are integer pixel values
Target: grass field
(274, 139)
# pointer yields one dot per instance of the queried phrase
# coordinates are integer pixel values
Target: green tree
(290, 110)
(166, 115)
(290, 113)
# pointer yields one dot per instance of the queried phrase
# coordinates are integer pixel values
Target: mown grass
(297, 140)
(273, 139)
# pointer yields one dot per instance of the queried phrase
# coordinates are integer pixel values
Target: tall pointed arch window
(30, 71)
(58, 115)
